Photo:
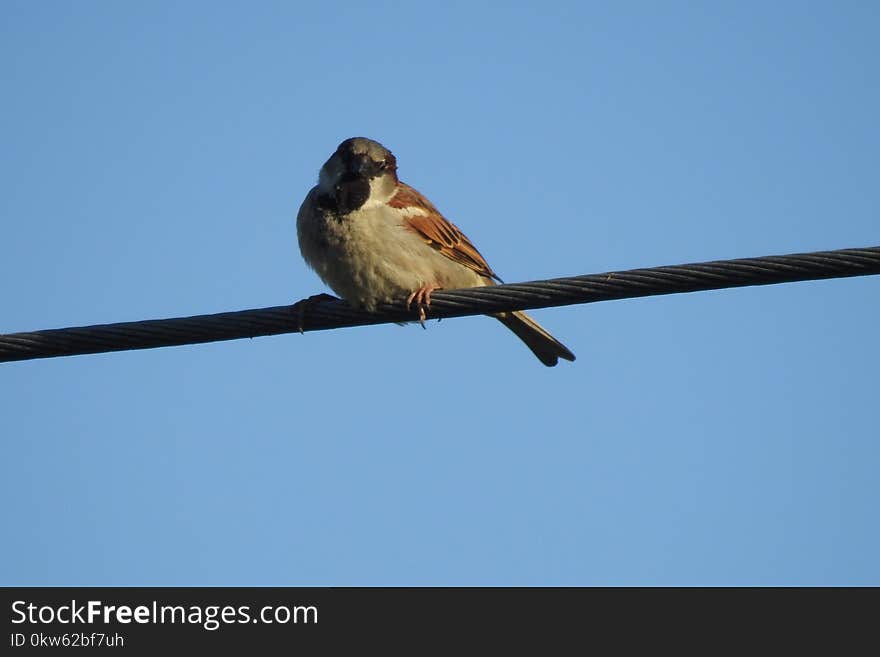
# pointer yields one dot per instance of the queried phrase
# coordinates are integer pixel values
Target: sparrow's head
(361, 172)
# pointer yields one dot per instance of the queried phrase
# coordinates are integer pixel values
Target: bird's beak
(362, 165)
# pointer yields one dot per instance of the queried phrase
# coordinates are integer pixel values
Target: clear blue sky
(153, 157)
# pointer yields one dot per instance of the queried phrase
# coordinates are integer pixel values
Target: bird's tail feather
(547, 348)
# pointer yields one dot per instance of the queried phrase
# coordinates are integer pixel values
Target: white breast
(369, 256)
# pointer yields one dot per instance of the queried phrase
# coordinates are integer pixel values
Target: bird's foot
(422, 299)
(303, 306)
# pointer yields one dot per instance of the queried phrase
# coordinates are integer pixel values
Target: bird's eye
(383, 165)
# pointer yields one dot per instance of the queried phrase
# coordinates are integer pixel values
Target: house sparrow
(374, 239)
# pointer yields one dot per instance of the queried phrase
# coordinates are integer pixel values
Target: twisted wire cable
(323, 312)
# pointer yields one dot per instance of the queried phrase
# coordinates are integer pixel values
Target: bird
(374, 239)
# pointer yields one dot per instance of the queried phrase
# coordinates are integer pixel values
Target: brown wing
(440, 233)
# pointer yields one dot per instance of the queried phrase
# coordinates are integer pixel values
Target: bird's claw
(302, 307)
(422, 299)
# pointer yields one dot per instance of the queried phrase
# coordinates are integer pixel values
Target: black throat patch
(350, 194)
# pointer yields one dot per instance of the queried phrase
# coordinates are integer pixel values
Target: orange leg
(422, 298)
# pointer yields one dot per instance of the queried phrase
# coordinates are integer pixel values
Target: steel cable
(317, 314)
